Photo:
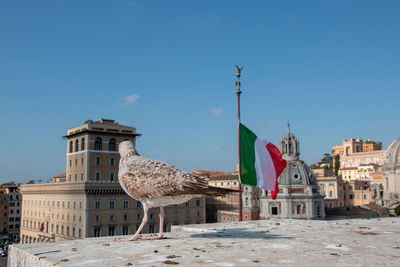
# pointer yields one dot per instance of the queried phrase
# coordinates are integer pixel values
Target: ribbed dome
(392, 155)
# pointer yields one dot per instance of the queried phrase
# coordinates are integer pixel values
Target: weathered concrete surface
(358, 242)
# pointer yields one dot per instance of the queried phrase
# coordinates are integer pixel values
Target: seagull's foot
(133, 238)
(154, 237)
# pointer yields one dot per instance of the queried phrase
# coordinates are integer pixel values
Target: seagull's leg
(144, 221)
(161, 232)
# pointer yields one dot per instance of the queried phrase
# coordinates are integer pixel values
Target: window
(365, 196)
(274, 210)
(151, 228)
(97, 160)
(125, 217)
(351, 196)
(112, 145)
(97, 176)
(111, 230)
(97, 205)
(126, 204)
(112, 218)
(81, 176)
(76, 177)
(96, 231)
(112, 204)
(138, 204)
(76, 145)
(80, 204)
(125, 230)
(71, 147)
(111, 176)
(330, 194)
(83, 144)
(198, 202)
(187, 204)
(98, 144)
(79, 233)
(81, 161)
(112, 161)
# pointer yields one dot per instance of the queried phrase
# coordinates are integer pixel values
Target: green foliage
(397, 210)
(337, 164)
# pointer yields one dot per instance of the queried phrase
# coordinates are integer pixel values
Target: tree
(337, 164)
(397, 210)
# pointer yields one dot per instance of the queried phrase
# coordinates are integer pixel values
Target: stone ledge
(358, 242)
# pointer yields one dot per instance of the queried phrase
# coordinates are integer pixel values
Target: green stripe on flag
(248, 158)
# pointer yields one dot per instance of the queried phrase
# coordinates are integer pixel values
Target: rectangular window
(330, 194)
(138, 204)
(111, 230)
(81, 161)
(365, 196)
(198, 202)
(112, 161)
(97, 160)
(112, 218)
(97, 205)
(79, 233)
(111, 176)
(76, 162)
(81, 176)
(126, 204)
(351, 196)
(125, 230)
(274, 210)
(96, 231)
(80, 204)
(97, 176)
(112, 204)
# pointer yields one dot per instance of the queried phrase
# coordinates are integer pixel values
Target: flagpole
(238, 92)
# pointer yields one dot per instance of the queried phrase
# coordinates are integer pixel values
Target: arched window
(83, 144)
(112, 145)
(76, 145)
(71, 147)
(98, 143)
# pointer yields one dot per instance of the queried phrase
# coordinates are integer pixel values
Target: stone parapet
(357, 242)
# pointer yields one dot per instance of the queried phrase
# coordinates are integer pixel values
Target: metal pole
(238, 92)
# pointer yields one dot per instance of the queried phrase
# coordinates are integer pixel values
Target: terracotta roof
(61, 175)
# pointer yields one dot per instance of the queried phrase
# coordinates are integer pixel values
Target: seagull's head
(127, 149)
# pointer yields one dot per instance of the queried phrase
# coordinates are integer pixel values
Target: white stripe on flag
(265, 169)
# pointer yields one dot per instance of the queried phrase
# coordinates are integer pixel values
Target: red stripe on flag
(279, 164)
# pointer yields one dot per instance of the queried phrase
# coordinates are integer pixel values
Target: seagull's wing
(148, 178)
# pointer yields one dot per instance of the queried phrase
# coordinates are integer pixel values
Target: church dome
(297, 172)
(392, 155)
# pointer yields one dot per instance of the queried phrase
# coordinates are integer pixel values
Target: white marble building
(299, 195)
(391, 172)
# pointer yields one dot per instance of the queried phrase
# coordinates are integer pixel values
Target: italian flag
(261, 162)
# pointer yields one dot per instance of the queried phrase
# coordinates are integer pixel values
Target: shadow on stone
(239, 233)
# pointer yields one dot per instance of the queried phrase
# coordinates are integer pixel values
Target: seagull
(159, 184)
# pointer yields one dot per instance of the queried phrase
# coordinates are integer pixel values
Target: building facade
(299, 194)
(88, 200)
(391, 173)
(10, 212)
(333, 191)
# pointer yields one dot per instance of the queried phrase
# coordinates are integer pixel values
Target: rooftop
(356, 242)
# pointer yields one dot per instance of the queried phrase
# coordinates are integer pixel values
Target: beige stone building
(226, 208)
(354, 152)
(332, 188)
(88, 201)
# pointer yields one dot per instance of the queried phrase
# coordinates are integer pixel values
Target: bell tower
(289, 146)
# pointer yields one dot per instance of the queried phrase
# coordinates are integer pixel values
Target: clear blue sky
(167, 68)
